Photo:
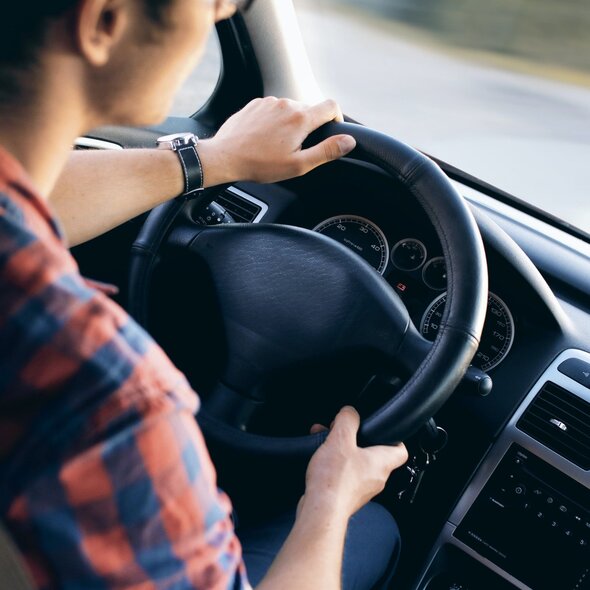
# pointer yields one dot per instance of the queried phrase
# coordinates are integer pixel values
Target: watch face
(178, 139)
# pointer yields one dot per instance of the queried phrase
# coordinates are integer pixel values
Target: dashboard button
(519, 489)
(576, 369)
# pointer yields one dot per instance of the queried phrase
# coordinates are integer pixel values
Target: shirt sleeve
(118, 489)
(140, 510)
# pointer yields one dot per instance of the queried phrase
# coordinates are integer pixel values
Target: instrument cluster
(420, 278)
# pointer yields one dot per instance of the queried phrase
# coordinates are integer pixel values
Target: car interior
(367, 282)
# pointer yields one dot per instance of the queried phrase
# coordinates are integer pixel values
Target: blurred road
(527, 135)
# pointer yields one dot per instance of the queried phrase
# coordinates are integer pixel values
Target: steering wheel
(288, 295)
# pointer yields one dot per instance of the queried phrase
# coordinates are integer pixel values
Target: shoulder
(23, 223)
(33, 261)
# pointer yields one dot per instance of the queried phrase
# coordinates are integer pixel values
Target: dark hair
(22, 34)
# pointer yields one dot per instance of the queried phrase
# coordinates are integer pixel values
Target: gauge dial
(359, 235)
(434, 274)
(497, 336)
(408, 254)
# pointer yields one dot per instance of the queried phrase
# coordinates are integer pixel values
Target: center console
(524, 521)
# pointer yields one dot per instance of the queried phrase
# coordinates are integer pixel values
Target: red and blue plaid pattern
(105, 480)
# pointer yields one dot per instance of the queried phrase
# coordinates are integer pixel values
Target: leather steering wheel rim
(438, 374)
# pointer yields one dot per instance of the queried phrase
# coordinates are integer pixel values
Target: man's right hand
(343, 475)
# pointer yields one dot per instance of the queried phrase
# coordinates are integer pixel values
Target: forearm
(99, 190)
(312, 554)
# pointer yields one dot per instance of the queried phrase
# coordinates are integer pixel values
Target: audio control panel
(533, 522)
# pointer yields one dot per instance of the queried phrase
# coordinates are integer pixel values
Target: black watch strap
(192, 168)
(185, 146)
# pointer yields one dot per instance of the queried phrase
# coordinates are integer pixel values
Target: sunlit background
(499, 88)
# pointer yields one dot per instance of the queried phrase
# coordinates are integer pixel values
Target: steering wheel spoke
(182, 234)
(230, 407)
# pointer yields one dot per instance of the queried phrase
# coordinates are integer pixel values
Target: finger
(317, 428)
(324, 112)
(328, 150)
(260, 103)
(347, 423)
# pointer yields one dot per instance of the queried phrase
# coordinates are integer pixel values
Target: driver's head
(124, 58)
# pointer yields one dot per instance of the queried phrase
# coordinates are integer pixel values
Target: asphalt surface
(525, 134)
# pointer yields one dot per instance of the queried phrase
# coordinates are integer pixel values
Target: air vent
(561, 421)
(242, 207)
(89, 143)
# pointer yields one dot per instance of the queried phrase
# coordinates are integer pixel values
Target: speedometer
(359, 235)
(497, 336)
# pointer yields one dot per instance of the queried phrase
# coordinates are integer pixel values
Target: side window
(201, 82)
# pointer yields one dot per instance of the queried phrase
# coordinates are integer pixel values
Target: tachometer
(497, 336)
(360, 235)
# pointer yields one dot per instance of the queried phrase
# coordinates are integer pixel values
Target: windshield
(498, 88)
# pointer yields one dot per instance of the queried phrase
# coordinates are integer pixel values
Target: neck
(40, 131)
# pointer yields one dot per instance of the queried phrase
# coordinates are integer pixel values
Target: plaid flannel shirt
(105, 481)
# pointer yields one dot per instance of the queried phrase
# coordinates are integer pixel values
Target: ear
(100, 24)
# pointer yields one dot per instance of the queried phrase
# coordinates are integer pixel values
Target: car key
(418, 465)
(432, 440)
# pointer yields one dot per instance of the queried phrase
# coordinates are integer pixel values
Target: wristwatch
(185, 146)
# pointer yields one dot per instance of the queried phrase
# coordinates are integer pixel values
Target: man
(105, 479)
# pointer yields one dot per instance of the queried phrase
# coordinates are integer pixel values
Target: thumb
(328, 150)
(346, 424)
